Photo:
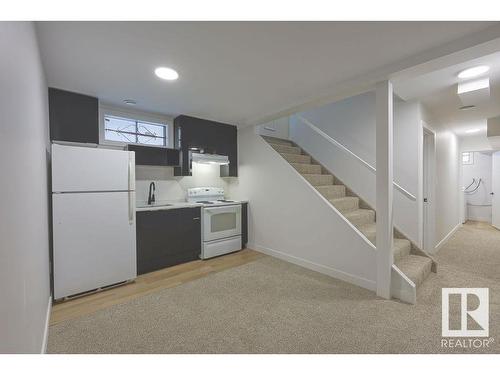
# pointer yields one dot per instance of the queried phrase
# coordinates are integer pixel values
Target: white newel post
(384, 145)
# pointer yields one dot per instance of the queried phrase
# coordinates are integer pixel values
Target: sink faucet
(151, 196)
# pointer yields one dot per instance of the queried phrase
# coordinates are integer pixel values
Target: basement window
(467, 158)
(129, 130)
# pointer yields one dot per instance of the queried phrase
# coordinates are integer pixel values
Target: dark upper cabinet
(211, 137)
(146, 155)
(73, 117)
(167, 237)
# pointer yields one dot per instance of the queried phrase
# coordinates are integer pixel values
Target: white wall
(479, 202)
(276, 128)
(448, 195)
(174, 188)
(475, 143)
(289, 219)
(24, 231)
(352, 123)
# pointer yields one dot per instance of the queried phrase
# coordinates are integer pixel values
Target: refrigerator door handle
(131, 207)
(131, 170)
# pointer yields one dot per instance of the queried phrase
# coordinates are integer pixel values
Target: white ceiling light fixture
(130, 102)
(472, 131)
(167, 74)
(473, 72)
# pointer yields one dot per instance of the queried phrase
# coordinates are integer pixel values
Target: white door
(495, 184)
(94, 241)
(91, 169)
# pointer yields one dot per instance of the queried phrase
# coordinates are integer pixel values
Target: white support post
(384, 145)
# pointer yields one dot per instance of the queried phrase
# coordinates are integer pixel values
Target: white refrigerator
(93, 215)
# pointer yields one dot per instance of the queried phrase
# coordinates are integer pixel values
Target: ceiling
(438, 92)
(232, 72)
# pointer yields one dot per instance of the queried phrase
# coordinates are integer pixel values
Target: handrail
(345, 149)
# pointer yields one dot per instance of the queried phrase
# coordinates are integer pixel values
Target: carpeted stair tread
(279, 141)
(286, 149)
(360, 216)
(415, 267)
(331, 191)
(345, 204)
(401, 248)
(294, 158)
(318, 179)
(307, 168)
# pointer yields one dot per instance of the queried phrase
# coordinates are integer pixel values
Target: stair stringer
(316, 235)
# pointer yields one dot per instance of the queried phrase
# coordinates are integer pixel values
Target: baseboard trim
(447, 237)
(46, 330)
(335, 273)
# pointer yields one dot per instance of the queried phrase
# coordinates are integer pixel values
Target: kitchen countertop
(170, 205)
(166, 205)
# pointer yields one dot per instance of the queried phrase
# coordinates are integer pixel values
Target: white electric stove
(221, 221)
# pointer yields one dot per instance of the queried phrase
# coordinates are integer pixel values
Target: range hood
(197, 157)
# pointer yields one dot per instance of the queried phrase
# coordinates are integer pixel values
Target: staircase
(412, 261)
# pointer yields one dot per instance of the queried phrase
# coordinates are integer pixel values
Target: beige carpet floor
(270, 306)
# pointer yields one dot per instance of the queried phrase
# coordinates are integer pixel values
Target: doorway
(427, 195)
(478, 179)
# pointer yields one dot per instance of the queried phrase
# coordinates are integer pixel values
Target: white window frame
(107, 110)
(471, 158)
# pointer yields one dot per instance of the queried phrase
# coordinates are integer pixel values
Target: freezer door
(94, 241)
(77, 169)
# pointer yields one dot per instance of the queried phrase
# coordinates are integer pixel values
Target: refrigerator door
(79, 169)
(94, 241)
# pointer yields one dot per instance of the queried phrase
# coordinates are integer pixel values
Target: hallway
(474, 249)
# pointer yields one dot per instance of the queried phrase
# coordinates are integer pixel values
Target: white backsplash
(173, 188)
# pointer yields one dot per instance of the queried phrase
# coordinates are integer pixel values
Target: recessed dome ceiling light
(472, 130)
(473, 72)
(166, 73)
(130, 102)
(467, 107)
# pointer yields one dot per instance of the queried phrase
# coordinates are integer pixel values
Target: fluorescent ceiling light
(472, 131)
(479, 84)
(473, 72)
(130, 102)
(166, 73)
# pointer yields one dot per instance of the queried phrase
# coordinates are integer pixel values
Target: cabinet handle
(196, 218)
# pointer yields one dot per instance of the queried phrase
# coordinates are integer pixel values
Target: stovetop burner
(205, 202)
(224, 200)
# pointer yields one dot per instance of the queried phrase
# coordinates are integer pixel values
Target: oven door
(221, 222)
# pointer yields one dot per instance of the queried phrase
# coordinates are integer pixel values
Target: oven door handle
(235, 208)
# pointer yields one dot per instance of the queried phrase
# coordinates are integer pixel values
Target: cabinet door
(145, 155)
(73, 117)
(167, 237)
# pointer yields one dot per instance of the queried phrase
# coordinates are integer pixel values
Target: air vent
(467, 107)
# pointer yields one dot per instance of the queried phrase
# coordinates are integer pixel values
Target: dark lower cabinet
(244, 224)
(167, 237)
